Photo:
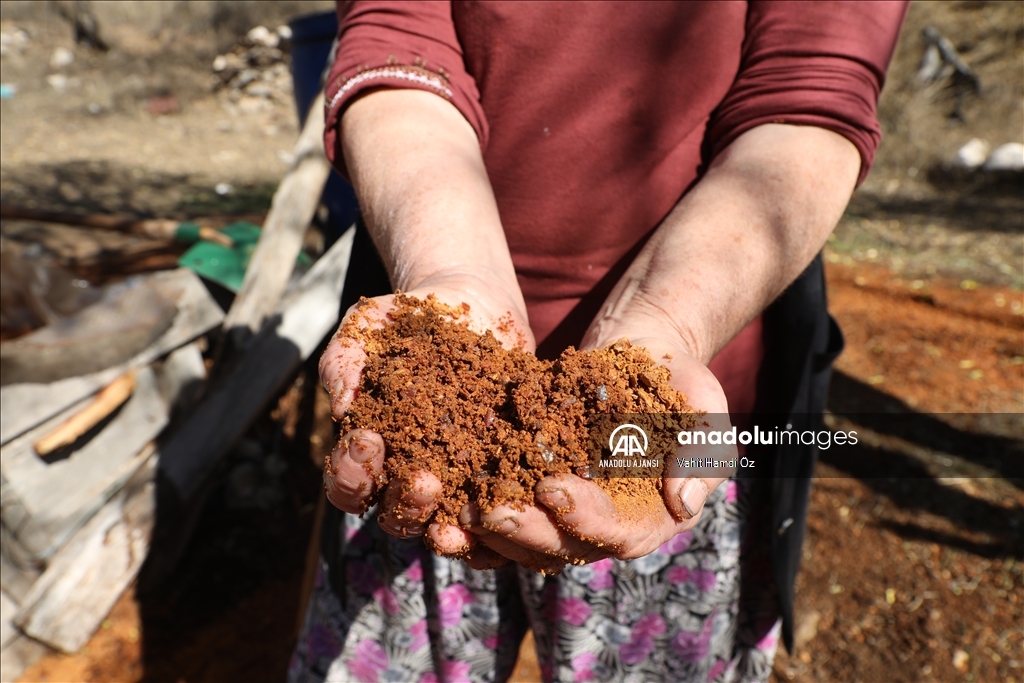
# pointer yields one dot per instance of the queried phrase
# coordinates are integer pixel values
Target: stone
(972, 155)
(61, 58)
(1008, 157)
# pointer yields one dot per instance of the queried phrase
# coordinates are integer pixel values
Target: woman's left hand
(545, 536)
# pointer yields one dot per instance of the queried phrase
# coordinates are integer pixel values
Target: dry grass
(918, 131)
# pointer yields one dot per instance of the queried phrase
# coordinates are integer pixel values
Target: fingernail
(411, 514)
(693, 495)
(555, 499)
(360, 451)
(506, 527)
(439, 536)
(469, 515)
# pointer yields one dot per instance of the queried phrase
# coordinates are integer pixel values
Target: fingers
(483, 549)
(482, 557)
(527, 536)
(449, 540)
(589, 513)
(538, 562)
(341, 365)
(535, 529)
(408, 505)
(686, 489)
(685, 497)
(350, 472)
(341, 369)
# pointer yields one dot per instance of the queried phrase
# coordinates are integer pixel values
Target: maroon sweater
(595, 118)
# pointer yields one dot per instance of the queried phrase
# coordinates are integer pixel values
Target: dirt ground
(914, 560)
(907, 575)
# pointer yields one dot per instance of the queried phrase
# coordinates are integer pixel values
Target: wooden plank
(16, 575)
(308, 314)
(84, 579)
(128, 319)
(23, 406)
(58, 497)
(18, 655)
(294, 204)
(8, 607)
(64, 606)
(181, 375)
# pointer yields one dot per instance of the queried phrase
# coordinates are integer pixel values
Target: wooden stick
(312, 565)
(951, 56)
(294, 204)
(216, 236)
(107, 401)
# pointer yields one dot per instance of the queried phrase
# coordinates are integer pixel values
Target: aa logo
(628, 441)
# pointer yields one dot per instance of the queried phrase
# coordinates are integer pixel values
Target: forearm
(737, 240)
(417, 169)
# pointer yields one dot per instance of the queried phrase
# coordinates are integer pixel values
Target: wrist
(493, 302)
(636, 316)
(475, 284)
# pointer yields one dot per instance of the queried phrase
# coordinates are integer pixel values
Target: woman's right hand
(353, 468)
(425, 195)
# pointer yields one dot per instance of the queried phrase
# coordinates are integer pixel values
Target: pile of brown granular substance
(491, 422)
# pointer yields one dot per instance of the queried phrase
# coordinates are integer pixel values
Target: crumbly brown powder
(491, 422)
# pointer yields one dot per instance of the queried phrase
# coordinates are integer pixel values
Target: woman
(656, 171)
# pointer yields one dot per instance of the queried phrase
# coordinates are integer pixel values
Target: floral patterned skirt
(703, 607)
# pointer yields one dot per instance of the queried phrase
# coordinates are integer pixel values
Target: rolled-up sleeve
(397, 45)
(812, 63)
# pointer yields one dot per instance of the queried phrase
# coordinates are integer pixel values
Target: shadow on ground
(993, 442)
(226, 605)
(977, 202)
(105, 187)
